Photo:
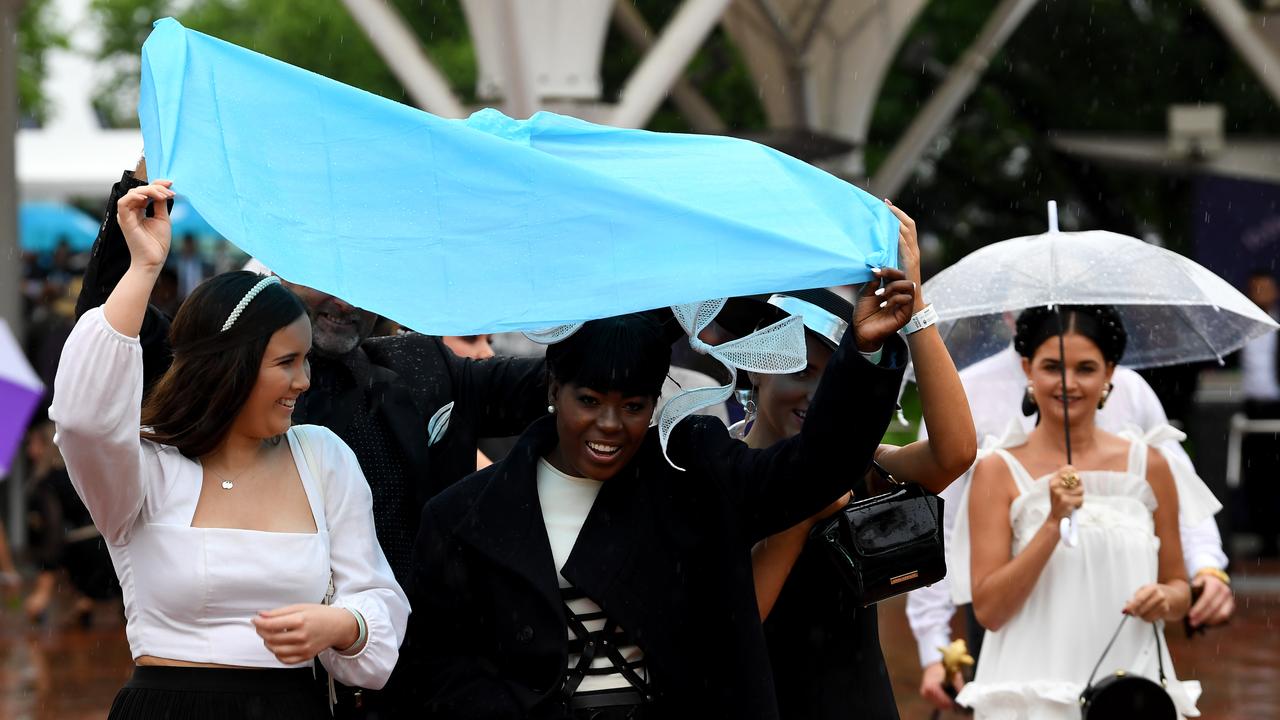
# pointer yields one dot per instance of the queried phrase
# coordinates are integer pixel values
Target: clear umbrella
(1174, 310)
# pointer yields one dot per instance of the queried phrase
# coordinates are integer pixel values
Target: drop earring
(1029, 406)
(1106, 393)
(746, 398)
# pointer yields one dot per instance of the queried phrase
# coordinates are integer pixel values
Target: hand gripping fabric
(778, 348)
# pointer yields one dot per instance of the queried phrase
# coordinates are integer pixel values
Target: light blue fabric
(488, 224)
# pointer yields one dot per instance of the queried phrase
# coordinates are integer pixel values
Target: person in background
(62, 535)
(1260, 366)
(190, 267)
(824, 647)
(245, 544)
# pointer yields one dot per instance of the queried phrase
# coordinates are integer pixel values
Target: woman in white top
(1051, 608)
(227, 528)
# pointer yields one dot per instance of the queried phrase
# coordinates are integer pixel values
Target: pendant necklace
(228, 484)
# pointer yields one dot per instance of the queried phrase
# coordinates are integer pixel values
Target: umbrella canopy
(1174, 309)
(488, 224)
(20, 392)
(42, 225)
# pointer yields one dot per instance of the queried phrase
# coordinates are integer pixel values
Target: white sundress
(1036, 666)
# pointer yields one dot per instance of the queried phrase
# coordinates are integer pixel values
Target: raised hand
(884, 306)
(148, 238)
(908, 250)
(1066, 494)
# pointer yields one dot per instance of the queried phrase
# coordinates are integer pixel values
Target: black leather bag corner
(1122, 696)
(888, 544)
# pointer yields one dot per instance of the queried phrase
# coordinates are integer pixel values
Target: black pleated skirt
(182, 693)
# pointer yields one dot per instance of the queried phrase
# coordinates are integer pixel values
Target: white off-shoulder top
(189, 593)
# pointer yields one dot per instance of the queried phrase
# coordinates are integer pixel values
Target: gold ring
(1070, 481)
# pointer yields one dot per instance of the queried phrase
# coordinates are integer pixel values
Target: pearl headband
(248, 298)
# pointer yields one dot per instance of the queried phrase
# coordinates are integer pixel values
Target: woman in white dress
(1050, 608)
(227, 527)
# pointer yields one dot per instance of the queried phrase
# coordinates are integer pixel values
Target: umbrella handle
(1067, 530)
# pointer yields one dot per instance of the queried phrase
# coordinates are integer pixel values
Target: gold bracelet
(1215, 572)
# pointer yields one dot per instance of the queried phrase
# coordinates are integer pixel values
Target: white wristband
(921, 320)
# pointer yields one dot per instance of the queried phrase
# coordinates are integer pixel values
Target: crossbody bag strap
(1106, 650)
(314, 468)
(1159, 653)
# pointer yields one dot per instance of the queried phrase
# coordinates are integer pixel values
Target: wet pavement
(59, 670)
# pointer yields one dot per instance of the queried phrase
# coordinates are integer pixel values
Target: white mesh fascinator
(775, 349)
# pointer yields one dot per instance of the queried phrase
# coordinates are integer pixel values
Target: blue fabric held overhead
(488, 224)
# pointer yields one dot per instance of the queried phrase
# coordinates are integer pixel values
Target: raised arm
(1001, 584)
(779, 486)
(504, 394)
(952, 445)
(97, 400)
(108, 262)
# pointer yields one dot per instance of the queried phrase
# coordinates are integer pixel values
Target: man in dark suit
(410, 409)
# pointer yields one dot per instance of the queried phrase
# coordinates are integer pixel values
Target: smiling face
(338, 326)
(1088, 374)
(599, 432)
(782, 401)
(283, 375)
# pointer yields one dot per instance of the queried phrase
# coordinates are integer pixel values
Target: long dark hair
(194, 403)
(627, 353)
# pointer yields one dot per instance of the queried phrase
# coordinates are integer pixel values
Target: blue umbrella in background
(42, 225)
(186, 221)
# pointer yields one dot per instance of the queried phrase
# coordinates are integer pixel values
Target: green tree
(318, 35)
(36, 36)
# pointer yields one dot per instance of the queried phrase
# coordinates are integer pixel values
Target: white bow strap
(778, 348)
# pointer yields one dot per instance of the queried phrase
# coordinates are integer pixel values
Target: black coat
(665, 553)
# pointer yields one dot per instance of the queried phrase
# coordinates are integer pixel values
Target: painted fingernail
(880, 291)
(886, 302)
(876, 270)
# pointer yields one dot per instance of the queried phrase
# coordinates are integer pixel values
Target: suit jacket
(665, 553)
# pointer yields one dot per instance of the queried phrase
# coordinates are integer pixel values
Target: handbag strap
(1159, 652)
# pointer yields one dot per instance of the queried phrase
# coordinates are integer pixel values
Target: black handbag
(1121, 696)
(887, 544)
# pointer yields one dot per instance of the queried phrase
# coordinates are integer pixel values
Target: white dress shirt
(995, 387)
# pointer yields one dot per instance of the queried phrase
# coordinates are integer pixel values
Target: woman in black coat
(661, 556)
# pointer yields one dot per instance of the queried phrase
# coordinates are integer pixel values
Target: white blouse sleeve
(362, 578)
(97, 406)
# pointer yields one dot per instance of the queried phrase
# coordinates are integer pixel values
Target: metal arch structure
(819, 64)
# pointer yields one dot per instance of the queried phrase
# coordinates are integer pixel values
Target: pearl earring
(551, 409)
